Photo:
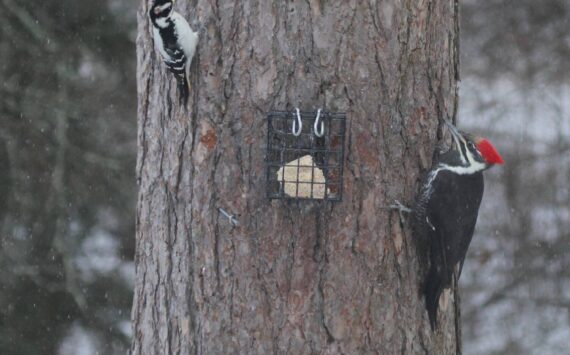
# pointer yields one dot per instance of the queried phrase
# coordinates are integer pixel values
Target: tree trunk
(303, 277)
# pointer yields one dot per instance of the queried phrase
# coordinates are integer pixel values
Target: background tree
(291, 277)
(67, 144)
(515, 89)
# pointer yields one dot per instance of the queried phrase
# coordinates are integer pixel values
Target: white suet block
(302, 174)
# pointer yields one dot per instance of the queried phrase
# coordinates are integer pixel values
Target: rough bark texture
(291, 278)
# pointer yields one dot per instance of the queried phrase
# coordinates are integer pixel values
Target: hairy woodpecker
(175, 41)
(445, 211)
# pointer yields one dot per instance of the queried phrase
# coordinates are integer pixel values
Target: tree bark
(292, 277)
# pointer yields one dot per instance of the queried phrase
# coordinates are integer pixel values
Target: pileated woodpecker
(446, 209)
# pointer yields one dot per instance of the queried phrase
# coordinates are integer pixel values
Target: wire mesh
(305, 167)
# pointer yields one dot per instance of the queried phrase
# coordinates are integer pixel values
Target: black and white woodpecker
(446, 209)
(176, 42)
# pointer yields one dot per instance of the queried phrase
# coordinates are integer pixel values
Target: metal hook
(319, 132)
(297, 129)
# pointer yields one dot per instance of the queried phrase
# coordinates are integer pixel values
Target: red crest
(489, 152)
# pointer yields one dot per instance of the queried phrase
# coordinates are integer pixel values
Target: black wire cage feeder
(305, 155)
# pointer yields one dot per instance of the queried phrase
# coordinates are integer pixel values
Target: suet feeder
(305, 155)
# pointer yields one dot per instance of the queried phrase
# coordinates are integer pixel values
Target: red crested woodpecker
(446, 210)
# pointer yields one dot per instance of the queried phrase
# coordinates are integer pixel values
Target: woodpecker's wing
(176, 61)
(170, 50)
(452, 213)
(187, 38)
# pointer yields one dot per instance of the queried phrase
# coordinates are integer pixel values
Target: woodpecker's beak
(457, 137)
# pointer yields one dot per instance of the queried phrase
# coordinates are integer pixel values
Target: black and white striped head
(472, 154)
(161, 9)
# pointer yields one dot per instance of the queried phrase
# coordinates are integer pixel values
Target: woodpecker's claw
(397, 205)
(202, 29)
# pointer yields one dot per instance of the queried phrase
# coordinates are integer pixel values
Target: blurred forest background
(67, 187)
(68, 192)
(515, 89)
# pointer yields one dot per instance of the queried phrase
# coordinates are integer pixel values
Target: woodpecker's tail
(184, 90)
(432, 288)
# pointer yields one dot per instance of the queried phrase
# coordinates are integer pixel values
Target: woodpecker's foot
(202, 29)
(397, 205)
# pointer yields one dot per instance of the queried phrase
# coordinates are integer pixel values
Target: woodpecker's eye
(159, 9)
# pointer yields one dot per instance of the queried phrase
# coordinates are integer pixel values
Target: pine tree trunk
(294, 278)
